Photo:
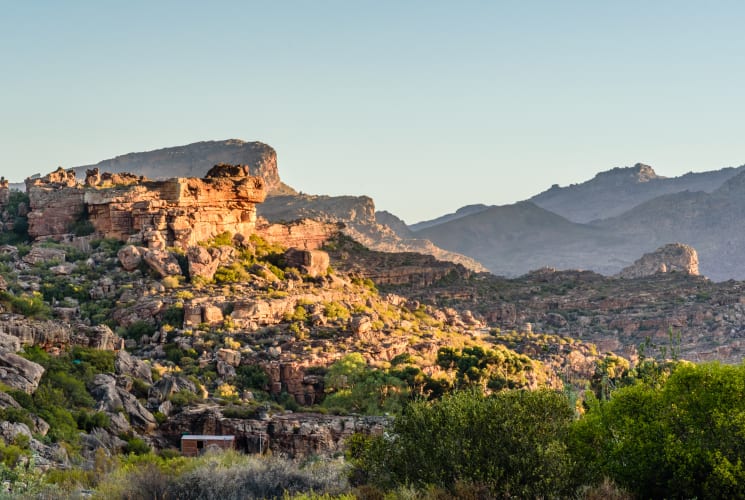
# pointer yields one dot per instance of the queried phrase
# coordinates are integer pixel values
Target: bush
(30, 305)
(511, 442)
(227, 476)
(136, 446)
(139, 328)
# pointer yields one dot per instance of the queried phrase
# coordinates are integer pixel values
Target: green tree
(682, 437)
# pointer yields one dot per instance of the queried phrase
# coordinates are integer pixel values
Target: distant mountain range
(604, 224)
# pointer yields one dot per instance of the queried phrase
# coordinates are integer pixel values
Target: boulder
(311, 262)
(113, 399)
(40, 254)
(361, 324)
(230, 356)
(7, 401)
(130, 366)
(201, 262)
(130, 257)
(162, 262)
(167, 386)
(9, 343)
(19, 373)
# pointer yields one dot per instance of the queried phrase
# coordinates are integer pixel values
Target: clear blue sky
(424, 105)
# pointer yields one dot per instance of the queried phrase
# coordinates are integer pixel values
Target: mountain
(461, 212)
(514, 239)
(616, 191)
(713, 223)
(194, 160)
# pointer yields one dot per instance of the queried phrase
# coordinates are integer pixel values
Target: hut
(193, 445)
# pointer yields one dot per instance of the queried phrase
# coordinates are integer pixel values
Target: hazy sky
(424, 105)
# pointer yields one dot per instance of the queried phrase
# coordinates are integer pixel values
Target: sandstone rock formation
(176, 212)
(675, 257)
(55, 334)
(114, 399)
(311, 262)
(357, 218)
(19, 373)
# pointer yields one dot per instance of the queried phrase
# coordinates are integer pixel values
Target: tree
(682, 437)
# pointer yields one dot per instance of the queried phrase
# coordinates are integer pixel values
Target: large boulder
(162, 262)
(113, 399)
(311, 262)
(203, 262)
(166, 387)
(130, 366)
(130, 257)
(674, 257)
(19, 373)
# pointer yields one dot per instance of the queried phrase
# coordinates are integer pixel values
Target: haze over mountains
(607, 222)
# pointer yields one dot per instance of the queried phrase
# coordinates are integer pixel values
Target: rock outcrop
(54, 334)
(675, 257)
(195, 160)
(311, 262)
(355, 215)
(115, 400)
(176, 212)
(297, 435)
(19, 373)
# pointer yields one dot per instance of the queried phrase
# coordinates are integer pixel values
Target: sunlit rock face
(675, 257)
(176, 212)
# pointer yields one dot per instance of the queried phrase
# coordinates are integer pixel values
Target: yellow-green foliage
(335, 310)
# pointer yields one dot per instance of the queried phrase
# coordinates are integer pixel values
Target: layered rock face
(56, 203)
(176, 212)
(675, 257)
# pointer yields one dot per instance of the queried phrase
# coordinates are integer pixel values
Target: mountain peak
(637, 174)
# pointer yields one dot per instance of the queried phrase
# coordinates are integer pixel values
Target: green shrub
(139, 328)
(136, 446)
(512, 443)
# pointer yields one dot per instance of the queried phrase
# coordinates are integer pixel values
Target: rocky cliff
(195, 160)
(175, 212)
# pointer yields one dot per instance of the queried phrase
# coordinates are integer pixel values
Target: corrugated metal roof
(203, 437)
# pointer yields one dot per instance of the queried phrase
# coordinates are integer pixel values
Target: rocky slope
(359, 220)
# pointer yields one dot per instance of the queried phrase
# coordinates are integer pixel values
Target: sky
(425, 106)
